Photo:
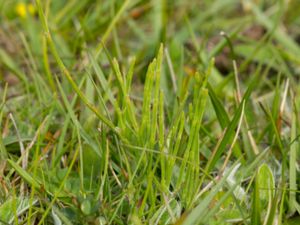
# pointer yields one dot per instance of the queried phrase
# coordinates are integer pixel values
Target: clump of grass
(90, 135)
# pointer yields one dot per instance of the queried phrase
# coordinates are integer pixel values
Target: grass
(149, 112)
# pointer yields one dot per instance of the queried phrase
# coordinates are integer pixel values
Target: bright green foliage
(142, 112)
